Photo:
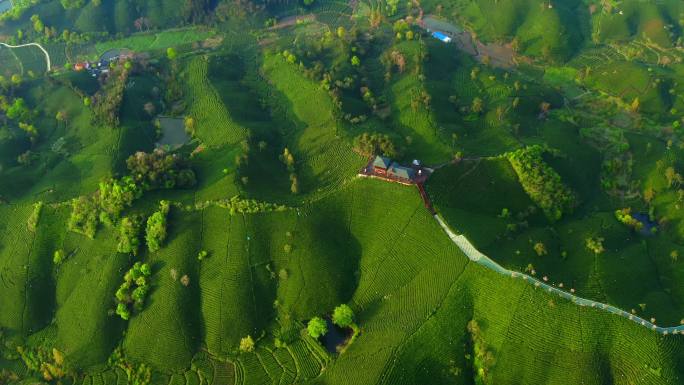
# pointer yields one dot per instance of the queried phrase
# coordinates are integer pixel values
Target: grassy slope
(427, 142)
(166, 334)
(411, 286)
(92, 151)
(315, 143)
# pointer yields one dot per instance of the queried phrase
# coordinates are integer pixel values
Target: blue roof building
(441, 36)
(399, 172)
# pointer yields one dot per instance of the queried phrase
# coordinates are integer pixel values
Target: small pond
(172, 132)
(5, 5)
(649, 226)
(335, 337)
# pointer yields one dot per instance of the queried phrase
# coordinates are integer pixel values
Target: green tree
(477, 106)
(247, 344)
(16, 79)
(595, 244)
(61, 116)
(343, 316)
(317, 327)
(355, 61)
(38, 24)
(58, 257)
(171, 53)
(540, 249)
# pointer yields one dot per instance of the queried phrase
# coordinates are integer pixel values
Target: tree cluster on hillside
(336, 61)
(155, 230)
(373, 144)
(541, 182)
(105, 206)
(148, 171)
(46, 363)
(133, 290)
(106, 103)
(160, 169)
(114, 195)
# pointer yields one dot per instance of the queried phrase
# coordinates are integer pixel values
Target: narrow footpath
(47, 55)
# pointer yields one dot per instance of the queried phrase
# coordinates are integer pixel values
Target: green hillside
(190, 195)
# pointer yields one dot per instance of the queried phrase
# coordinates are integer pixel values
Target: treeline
(249, 206)
(541, 182)
(160, 169)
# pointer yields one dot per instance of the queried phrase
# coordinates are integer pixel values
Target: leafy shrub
(129, 232)
(343, 316)
(317, 327)
(58, 257)
(247, 344)
(155, 232)
(84, 215)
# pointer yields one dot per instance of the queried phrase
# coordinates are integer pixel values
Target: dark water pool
(649, 225)
(335, 337)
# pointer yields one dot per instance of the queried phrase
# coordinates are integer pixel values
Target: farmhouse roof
(400, 171)
(382, 162)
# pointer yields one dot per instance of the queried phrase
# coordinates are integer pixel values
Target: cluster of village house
(99, 67)
(95, 69)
